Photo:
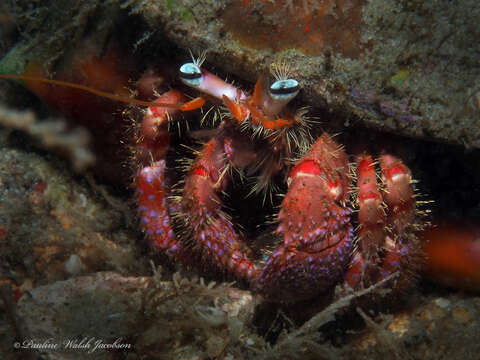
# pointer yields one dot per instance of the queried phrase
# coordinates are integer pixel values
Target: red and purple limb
(154, 210)
(314, 224)
(153, 140)
(207, 225)
(385, 244)
(203, 231)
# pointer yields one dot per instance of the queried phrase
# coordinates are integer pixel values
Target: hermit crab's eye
(284, 89)
(191, 74)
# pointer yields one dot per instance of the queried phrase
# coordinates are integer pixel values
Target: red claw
(314, 223)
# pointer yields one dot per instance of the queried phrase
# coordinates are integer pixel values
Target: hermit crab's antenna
(184, 107)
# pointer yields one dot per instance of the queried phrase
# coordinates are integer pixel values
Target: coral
(101, 120)
(53, 135)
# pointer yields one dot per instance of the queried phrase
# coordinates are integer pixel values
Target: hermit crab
(341, 222)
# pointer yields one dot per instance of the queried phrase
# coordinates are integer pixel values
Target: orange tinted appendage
(235, 109)
(259, 117)
(92, 91)
(257, 93)
(194, 104)
(279, 123)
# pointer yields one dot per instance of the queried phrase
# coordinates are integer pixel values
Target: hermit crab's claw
(206, 228)
(314, 228)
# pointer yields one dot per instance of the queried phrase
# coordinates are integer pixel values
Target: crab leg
(401, 243)
(153, 137)
(383, 218)
(371, 213)
(398, 196)
(206, 226)
(155, 212)
(314, 225)
(371, 228)
(206, 230)
(152, 144)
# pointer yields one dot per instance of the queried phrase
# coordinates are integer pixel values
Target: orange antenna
(184, 107)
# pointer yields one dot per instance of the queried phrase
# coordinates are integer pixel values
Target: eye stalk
(191, 74)
(281, 93)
